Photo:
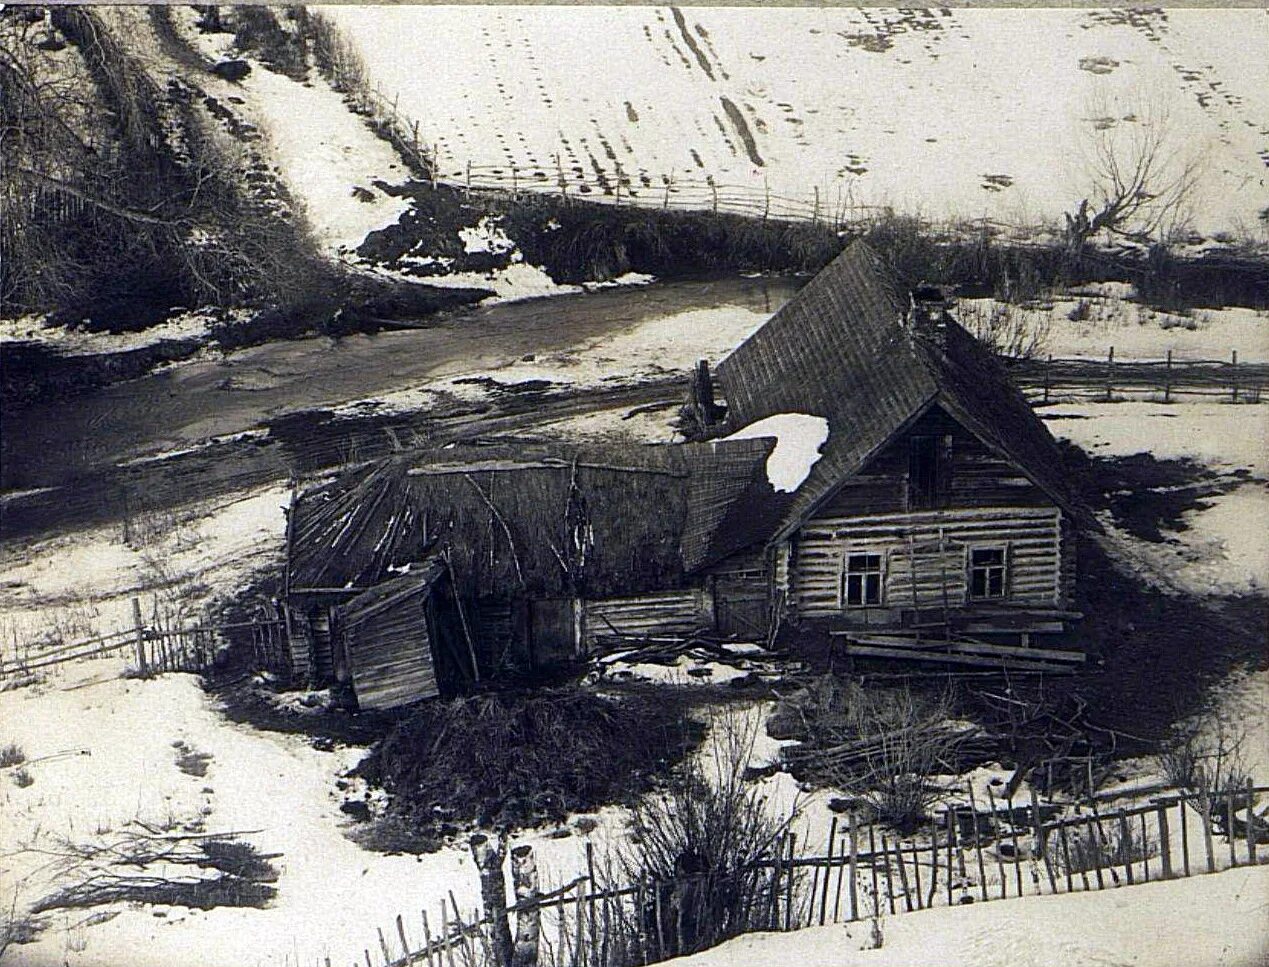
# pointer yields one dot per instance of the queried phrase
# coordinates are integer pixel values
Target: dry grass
(11, 755)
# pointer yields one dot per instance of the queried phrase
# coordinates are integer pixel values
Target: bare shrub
(23, 778)
(11, 755)
(1206, 756)
(1006, 330)
(704, 845)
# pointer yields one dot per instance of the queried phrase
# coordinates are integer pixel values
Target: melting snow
(799, 439)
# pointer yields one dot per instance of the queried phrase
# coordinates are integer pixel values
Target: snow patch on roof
(799, 440)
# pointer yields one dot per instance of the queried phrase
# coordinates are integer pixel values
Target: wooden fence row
(157, 644)
(977, 852)
(566, 178)
(1165, 380)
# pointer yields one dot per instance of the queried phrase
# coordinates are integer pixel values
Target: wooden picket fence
(832, 204)
(1164, 380)
(978, 852)
(156, 643)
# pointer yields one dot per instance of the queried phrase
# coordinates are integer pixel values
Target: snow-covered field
(1206, 921)
(1222, 550)
(967, 112)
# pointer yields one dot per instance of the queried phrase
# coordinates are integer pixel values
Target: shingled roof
(652, 515)
(842, 349)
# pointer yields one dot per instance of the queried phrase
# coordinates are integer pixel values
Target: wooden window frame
(843, 593)
(1003, 566)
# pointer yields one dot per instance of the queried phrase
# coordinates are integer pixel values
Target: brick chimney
(930, 312)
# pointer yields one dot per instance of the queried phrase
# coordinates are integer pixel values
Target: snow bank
(1203, 920)
(1217, 435)
(799, 438)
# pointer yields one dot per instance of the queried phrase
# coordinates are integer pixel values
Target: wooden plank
(961, 646)
(951, 659)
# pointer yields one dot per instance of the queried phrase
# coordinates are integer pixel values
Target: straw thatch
(844, 349)
(538, 521)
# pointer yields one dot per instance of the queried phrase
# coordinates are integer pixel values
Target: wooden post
(766, 194)
(916, 875)
(445, 939)
(1251, 822)
(978, 845)
(591, 921)
(872, 861)
(1066, 856)
(1103, 847)
(1145, 850)
(951, 835)
(995, 831)
(854, 867)
(828, 868)
(383, 946)
(665, 199)
(1125, 853)
(1017, 854)
(524, 880)
(885, 852)
(427, 941)
(1185, 837)
(579, 949)
(815, 888)
(405, 944)
(934, 867)
(1206, 814)
(714, 191)
(903, 876)
(1110, 373)
(788, 884)
(618, 182)
(1229, 825)
(468, 182)
(1167, 379)
(815, 218)
(144, 667)
(1165, 847)
(1233, 377)
(1091, 850)
(1048, 363)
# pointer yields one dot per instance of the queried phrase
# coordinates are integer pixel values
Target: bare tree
(1140, 172)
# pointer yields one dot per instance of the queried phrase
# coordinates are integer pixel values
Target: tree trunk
(489, 856)
(524, 877)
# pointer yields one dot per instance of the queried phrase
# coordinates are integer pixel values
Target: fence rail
(1051, 379)
(160, 644)
(978, 852)
(566, 178)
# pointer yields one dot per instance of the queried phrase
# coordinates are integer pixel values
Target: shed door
(552, 634)
(742, 607)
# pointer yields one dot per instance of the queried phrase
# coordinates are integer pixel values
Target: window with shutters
(862, 580)
(988, 577)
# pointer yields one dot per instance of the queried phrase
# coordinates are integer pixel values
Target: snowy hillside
(965, 112)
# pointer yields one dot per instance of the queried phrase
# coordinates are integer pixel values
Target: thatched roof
(840, 349)
(539, 520)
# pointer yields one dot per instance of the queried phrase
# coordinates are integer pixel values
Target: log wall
(925, 558)
(663, 613)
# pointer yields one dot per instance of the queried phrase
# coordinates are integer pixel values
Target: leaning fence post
(828, 870)
(854, 866)
(140, 629)
(1233, 376)
(1167, 379)
(1048, 365)
(427, 940)
(1110, 373)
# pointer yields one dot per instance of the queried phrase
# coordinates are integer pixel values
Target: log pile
(963, 743)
